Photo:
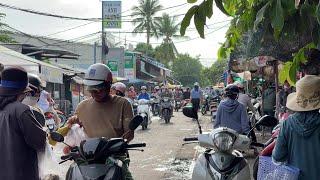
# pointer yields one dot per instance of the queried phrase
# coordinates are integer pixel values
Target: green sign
(111, 14)
(113, 65)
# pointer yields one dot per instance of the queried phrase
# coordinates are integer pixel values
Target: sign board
(51, 75)
(113, 65)
(111, 14)
(129, 68)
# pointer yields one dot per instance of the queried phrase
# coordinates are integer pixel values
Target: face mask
(29, 100)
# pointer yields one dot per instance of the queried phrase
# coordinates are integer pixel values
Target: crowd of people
(108, 112)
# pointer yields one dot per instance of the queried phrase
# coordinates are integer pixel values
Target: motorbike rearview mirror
(267, 121)
(189, 112)
(135, 122)
(56, 137)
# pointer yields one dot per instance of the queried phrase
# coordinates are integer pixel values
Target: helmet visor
(89, 82)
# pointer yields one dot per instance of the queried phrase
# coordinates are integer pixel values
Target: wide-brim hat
(307, 97)
(14, 81)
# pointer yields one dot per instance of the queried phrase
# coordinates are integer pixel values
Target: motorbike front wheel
(166, 116)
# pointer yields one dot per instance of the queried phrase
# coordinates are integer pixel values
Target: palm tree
(168, 28)
(144, 17)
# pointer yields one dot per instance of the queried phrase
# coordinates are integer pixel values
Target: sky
(43, 26)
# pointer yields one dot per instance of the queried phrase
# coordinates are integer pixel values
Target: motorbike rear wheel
(144, 124)
(203, 110)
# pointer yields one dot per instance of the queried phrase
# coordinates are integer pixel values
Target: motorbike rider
(132, 93)
(144, 94)
(231, 113)
(156, 95)
(104, 115)
(166, 93)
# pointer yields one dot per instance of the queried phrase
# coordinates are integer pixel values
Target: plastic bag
(75, 135)
(47, 163)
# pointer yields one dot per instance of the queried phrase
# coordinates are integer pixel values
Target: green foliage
(4, 38)
(289, 71)
(145, 16)
(212, 75)
(165, 53)
(145, 49)
(187, 69)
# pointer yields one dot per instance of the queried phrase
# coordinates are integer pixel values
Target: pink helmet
(119, 86)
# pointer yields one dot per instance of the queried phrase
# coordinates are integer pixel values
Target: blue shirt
(144, 96)
(196, 94)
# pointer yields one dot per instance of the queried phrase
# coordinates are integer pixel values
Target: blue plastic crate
(269, 171)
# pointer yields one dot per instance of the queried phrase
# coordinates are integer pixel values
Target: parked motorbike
(166, 109)
(96, 158)
(154, 101)
(143, 110)
(222, 159)
(214, 103)
(177, 104)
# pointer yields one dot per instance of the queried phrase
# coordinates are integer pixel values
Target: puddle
(176, 169)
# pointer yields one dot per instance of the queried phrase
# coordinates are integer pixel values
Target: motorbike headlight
(223, 141)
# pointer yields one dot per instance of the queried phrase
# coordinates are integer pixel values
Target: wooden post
(276, 80)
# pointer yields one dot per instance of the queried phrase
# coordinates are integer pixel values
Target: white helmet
(97, 74)
(196, 84)
(119, 86)
(143, 88)
(239, 84)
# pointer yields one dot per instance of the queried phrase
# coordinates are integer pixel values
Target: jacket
(233, 115)
(298, 144)
(21, 136)
(144, 96)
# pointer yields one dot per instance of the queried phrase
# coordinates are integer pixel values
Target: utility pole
(95, 53)
(103, 49)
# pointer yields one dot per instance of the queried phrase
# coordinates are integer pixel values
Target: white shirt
(43, 101)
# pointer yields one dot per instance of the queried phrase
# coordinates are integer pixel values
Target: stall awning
(47, 71)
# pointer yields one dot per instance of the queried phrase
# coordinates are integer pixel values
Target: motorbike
(166, 109)
(222, 158)
(143, 110)
(135, 107)
(206, 105)
(214, 103)
(96, 158)
(177, 104)
(49, 121)
(154, 101)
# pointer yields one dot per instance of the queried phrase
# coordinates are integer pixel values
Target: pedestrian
(21, 135)
(104, 115)
(243, 98)
(298, 143)
(231, 113)
(269, 100)
(196, 97)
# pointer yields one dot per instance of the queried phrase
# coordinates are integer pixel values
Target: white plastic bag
(47, 163)
(75, 135)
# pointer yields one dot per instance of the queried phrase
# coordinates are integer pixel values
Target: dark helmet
(231, 90)
(35, 81)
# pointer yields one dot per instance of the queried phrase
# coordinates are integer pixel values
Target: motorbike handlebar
(65, 157)
(191, 139)
(138, 145)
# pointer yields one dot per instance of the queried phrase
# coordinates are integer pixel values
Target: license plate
(50, 121)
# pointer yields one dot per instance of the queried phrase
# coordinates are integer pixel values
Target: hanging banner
(129, 69)
(111, 14)
(113, 65)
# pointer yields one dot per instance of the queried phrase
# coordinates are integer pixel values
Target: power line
(69, 29)
(69, 17)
